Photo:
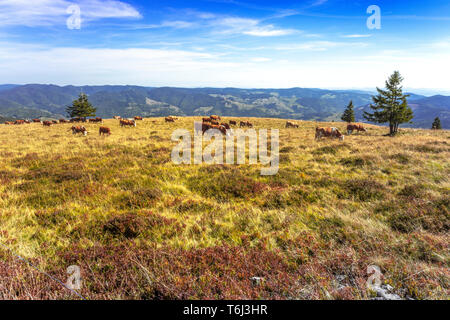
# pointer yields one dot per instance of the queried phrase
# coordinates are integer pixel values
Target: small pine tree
(390, 105)
(81, 108)
(436, 124)
(349, 114)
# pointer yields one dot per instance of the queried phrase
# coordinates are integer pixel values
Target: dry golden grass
(333, 208)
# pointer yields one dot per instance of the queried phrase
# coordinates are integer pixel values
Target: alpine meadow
(235, 159)
(141, 227)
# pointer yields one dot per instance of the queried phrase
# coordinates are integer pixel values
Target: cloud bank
(54, 12)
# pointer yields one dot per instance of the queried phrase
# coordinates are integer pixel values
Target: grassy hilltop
(141, 227)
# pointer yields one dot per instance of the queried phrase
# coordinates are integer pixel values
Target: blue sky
(225, 43)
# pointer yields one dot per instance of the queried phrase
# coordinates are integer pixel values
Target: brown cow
(226, 125)
(246, 124)
(128, 123)
(207, 126)
(47, 123)
(206, 119)
(117, 117)
(138, 118)
(329, 132)
(104, 131)
(9, 123)
(79, 129)
(96, 120)
(358, 127)
(214, 122)
(18, 122)
(172, 119)
(222, 129)
(233, 123)
(290, 124)
(78, 119)
(63, 121)
(214, 117)
(37, 120)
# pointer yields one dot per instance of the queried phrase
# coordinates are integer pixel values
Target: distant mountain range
(50, 101)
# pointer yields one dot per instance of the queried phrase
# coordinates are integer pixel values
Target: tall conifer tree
(390, 105)
(81, 107)
(349, 114)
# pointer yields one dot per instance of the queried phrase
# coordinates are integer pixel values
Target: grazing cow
(226, 125)
(169, 119)
(222, 129)
(117, 117)
(214, 122)
(9, 123)
(63, 121)
(79, 129)
(96, 120)
(290, 124)
(104, 131)
(357, 127)
(173, 117)
(37, 120)
(127, 123)
(78, 119)
(246, 124)
(206, 120)
(233, 123)
(47, 123)
(27, 121)
(329, 132)
(214, 117)
(138, 118)
(19, 122)
(207, 126)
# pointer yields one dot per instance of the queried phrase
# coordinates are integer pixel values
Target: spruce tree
(349, 114)
(390, 105)
(436, 124)
(81, 108)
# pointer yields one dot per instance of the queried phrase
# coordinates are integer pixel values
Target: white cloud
(311, 46)
(178, 24)
(32, 64)
(157, 67)
(268, 31)
(318, 3)
(53, 12)
(224, 25)
(352, 36)
(251, 27)
(443, 44)
(260, 59)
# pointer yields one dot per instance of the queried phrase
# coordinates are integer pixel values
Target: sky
(333, 44)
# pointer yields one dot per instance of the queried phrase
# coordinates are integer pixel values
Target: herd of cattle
(212, 122)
